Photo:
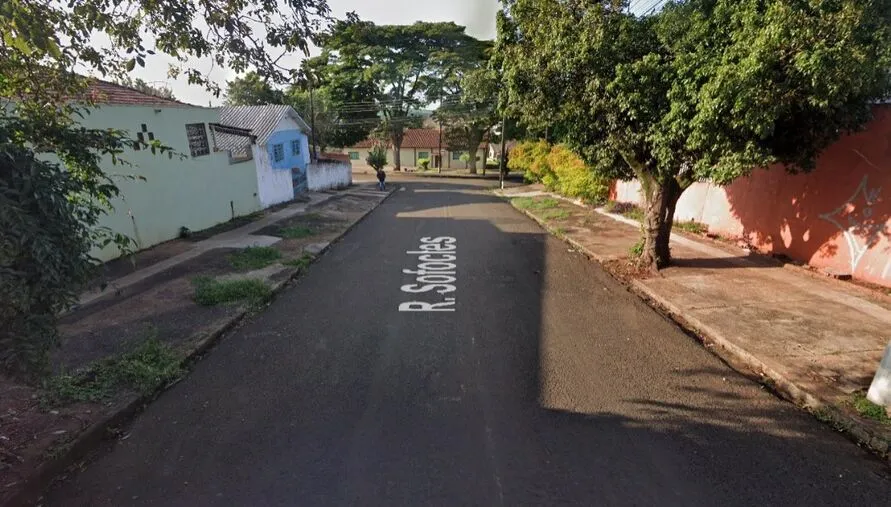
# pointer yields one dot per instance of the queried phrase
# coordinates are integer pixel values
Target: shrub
(377, 158)
(48, 216)
(423, 164)
(530, 158)
(573, 178)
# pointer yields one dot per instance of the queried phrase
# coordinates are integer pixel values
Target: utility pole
(502, 167)
(312, 115)
(439, 171)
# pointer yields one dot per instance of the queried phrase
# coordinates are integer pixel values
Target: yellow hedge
(559, 169)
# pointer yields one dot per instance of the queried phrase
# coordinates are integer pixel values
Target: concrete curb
(740, 359)
(29, 490)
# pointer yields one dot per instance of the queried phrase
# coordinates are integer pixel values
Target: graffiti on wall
(855, 219)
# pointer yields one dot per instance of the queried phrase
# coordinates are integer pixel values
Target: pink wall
(837, 217)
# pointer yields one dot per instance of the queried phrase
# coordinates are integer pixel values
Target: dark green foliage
(254, 257)
(391, 71)
(48, 214)
(252, 90)
(703, 90)
(47, 235)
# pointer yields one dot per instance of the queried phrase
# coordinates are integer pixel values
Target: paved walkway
(242, 237)
(822, 339)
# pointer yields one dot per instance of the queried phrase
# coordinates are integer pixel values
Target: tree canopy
(469, 103)
(50, 207)
(252, 90)
(392, 70)
(704, 89)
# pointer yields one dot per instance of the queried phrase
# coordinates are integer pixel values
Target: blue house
(281, 150)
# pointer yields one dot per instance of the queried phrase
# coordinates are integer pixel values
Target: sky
(477, 15)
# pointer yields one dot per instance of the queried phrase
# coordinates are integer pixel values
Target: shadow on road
(550, 385)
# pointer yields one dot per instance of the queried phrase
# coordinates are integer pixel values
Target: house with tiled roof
(197, 185)
(417, 144)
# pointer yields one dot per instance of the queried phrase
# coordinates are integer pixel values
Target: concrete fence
(836, 217)
(326, 174)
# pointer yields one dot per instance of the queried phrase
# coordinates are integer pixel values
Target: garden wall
(837, 217)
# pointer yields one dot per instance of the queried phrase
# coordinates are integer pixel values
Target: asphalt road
(548, 385)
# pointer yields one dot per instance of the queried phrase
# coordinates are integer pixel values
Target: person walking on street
(381, 178)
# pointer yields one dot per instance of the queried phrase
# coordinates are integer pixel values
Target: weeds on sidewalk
(692, 227)
(555, 214)
(301, 262)
(869, 410)
(151, 365)
(530, 203)
(255, 257)
(636, 250)
(210, 292)
(296, 232)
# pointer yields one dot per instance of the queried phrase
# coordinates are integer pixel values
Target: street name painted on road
(435, 274)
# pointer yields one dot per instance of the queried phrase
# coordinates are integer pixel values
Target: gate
(299, 178)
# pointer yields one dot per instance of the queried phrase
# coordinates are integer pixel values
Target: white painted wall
(275, 185)
(326, 175)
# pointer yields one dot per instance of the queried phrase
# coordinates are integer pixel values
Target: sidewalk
(816, 341)
(241, 237)
(123, 346)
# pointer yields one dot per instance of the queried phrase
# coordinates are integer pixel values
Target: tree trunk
(475, 139)
(397, 150)
(660, 199)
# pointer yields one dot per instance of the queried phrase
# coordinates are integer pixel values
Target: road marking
(436, 273)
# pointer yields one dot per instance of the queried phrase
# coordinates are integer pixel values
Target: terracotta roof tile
(414, 138)
(103, 92)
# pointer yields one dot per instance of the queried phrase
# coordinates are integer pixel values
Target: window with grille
(423, 155)
(456, 155)
(354, 155)
(295, 147)
(197, 135)
(278, 152)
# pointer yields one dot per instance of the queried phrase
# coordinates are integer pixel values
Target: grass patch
(692, 227)
(210, 292)
(870, 410)
(255, 257)
(301, 262)
(296, 232)
(151, 365)
(555, 214)
(530, 203)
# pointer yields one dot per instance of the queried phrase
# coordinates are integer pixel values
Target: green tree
(252, 90)
(320, 96)
(377, 157)
(394, 68)
(469, 108)
(53, 189)
(703, 90)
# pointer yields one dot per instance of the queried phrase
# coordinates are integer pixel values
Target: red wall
(837, 217)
